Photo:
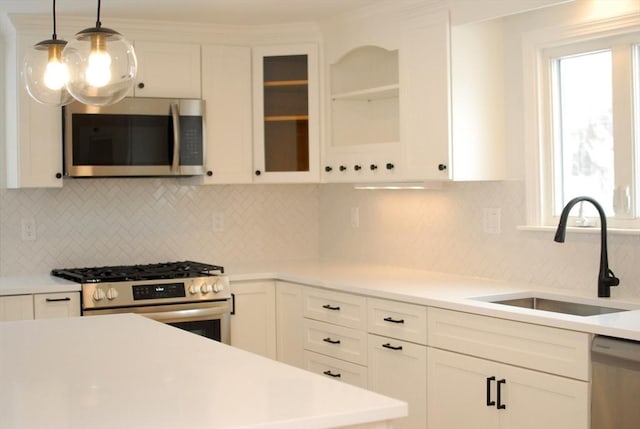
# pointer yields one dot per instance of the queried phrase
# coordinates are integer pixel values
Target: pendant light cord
(98, 23)
(54, 36)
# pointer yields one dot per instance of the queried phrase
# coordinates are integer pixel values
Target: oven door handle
(186, 315)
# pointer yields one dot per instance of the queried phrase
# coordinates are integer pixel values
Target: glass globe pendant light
(102, 65)
(44, 74)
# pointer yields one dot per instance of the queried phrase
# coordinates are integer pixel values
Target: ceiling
(232, 12)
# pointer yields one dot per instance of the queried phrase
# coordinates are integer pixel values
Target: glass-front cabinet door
(286, 130)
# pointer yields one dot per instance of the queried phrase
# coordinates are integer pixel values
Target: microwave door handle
(175, 116)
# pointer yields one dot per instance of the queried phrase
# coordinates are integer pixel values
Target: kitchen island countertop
(126, 371)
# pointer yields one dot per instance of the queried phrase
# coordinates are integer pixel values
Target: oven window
(206, 328)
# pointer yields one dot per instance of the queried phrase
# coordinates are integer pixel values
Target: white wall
(443, 231)
(91, 222)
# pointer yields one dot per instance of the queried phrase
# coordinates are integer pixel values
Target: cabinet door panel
(18, 307)
(290, 343)
(399, 369)
(253, 324)
(456, 392)
(168, 70)
(535, 400)
(286, 113)
(226, 89)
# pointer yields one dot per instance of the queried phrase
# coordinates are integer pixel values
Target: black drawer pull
(330, 374)
(66, 298)
(490, 403)
(501, 406)
(330, 341)
(392, 320)
(331, 307)
(390, 347)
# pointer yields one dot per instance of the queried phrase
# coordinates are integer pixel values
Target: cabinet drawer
(336, 369)
(336, 341)
(552, 350)
(336, 307)
(397, 320)
(54, 305)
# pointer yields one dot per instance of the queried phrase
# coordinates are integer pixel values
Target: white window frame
(537, 115)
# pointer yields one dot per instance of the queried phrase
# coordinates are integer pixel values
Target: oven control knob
(194, 289)
(112, 294)
(217, 287)
(206, 288)
(98, 295)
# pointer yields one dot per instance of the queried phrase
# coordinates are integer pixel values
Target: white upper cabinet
(286, 113)
(33, 130)
(226, 90)
(404, 105)
(364, 115)
(169, 70)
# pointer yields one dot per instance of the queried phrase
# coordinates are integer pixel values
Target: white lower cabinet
(399, 369)
(39, 306)
(468, 392)
(54, 305)
(253, 320)
(16, 307)
(290, 344)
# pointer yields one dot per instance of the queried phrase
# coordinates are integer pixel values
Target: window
(590, 129)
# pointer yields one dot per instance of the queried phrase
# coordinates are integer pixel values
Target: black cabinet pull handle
(357, 167)
(490, 403)
(390, 166)
(501, 406)
(392, 320)
(373, 167)
(343, 167)
(66, 298)
(331, 307)
(328, 169)
(390, 347)
(330, 374)
(442, 167)
(233, 304)
(330, 341)
(258, 172)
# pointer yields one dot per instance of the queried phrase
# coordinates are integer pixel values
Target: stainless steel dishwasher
(615, 389)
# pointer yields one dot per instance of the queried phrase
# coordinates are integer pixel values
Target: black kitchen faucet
(606, 278)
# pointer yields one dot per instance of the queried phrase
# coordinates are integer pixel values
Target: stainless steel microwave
(135, 137)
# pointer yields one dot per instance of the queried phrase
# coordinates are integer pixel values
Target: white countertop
(35, 284)
(408, 285)
(125, 371)
(447, 291)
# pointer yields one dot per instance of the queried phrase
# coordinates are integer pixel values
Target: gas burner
(165, 270)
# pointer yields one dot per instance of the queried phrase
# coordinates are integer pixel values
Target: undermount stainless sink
(566, 307)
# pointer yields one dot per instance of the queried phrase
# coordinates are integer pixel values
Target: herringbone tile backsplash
(92, 222)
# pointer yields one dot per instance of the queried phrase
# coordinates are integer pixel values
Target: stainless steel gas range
(189, 295)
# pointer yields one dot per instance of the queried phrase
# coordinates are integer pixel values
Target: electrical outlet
(355, 217)
(28, 229)
(217, 222)
(491, 220)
